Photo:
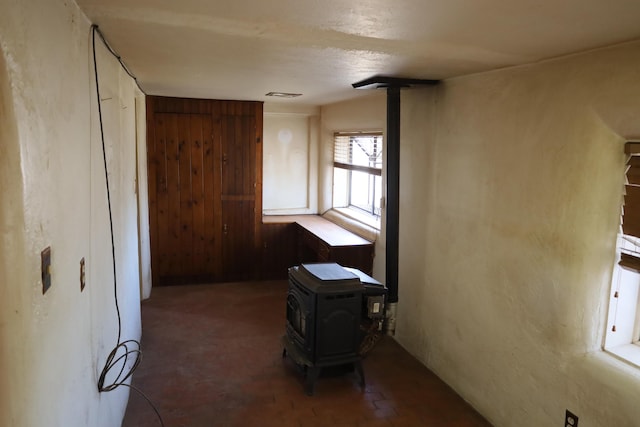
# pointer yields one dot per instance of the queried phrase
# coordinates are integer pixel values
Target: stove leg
(360, 371)
(312, 376)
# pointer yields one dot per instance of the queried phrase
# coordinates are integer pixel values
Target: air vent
(283, 94)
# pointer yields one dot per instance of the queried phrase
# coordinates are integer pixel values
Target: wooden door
(186, 246)
(238, 195)
(205, 189)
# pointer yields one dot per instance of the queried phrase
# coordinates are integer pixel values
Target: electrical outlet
(82, 280)
(45, 267)
(570, 419)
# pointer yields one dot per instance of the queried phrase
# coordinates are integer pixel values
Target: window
(623, 326)
(357, 174)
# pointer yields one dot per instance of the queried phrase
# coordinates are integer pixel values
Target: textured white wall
(365, 113)
(53, 346)
(14, 361)
(290, 159)
(286, 167)
(511, 190)
(143, 198)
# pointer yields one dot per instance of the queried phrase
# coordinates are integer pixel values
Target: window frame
(342, 160)
(622, 336)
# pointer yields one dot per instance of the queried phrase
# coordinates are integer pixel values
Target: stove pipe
(392, 145)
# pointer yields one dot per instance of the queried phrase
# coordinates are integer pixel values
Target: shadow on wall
(12, 264)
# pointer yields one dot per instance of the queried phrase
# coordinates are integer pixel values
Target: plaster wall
(53, 346)
(142, 191)
(290, 160)
(366, 113)
(511, 184)
(12, 263)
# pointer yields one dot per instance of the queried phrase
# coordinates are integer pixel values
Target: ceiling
(242, 49)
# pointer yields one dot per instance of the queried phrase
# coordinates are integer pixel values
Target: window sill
(629, 353)
(365, 219)
(363, 230)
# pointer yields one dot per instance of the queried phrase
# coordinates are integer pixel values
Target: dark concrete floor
(213, 357)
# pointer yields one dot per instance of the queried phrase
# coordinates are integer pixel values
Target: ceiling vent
(284, 94)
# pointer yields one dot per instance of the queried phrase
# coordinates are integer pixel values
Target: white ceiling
(242, 49)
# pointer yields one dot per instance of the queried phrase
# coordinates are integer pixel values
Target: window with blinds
(357, 161)
(630, 248)
(361, 152)
(622, 336)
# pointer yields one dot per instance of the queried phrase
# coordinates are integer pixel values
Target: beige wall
(290, 160)
(14, 361)
(53, 346)
(511, 190)
(142, 191)
(368, 112)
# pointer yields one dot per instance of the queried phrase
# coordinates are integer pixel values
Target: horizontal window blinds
(358, 152)
(630, 258)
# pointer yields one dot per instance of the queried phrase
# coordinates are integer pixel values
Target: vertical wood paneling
(208, 190)
(173, 194)
(279, 250)
(203, 171)
(162, 196)
(240, 261)
(216, 186)
(237, 162)
(185, 256)
(248, 146)
(257, 112)
(152, 183)
(196, 125)
(228, 154)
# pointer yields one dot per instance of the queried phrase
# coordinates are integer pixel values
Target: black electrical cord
(96, 29)
(130, 348)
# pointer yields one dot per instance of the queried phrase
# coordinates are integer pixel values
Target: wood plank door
(205, 189)
(184, 198)
(238, 136)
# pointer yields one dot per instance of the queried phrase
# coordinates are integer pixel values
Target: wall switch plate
(82, 276)
(45, 267)
(570, 419)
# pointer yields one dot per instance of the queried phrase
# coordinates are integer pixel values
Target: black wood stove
(324, 312)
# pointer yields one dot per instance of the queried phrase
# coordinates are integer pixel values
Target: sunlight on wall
(52, 346)
(511, 192)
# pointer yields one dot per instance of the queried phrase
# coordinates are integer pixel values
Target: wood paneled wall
(280, 249)
(205, 189)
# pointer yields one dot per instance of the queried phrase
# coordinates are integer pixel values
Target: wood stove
(324, 304)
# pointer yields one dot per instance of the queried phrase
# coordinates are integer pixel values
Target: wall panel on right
(511, 190)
